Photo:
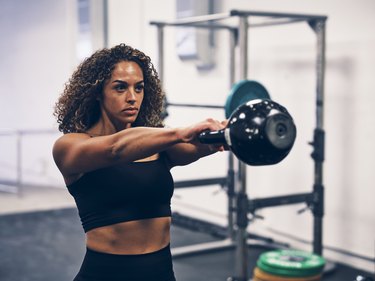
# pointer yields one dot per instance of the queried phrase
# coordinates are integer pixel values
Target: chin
(129, 122)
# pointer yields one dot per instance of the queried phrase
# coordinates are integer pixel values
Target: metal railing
(16, 186)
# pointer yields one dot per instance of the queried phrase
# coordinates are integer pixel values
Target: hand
(190, 134)
(221, 146)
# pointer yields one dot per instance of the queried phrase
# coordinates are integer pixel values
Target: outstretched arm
(78, 153)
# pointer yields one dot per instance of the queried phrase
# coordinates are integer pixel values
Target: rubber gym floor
(49, 245)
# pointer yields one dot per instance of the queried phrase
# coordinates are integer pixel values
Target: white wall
(36, 56)
(39, 54)
(37, 48)
(283, 59)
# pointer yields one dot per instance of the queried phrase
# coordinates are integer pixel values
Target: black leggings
(156, 266)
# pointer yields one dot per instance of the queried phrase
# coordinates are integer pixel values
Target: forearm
(137, 143)
(190, 149)
(185, 153)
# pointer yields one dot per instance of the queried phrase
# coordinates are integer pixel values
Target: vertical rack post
(319, 134)
(231, 172)
(160, 40)
(233, 34)
(19, 163)
(242, 221)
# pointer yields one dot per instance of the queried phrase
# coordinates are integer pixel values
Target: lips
(130, 111)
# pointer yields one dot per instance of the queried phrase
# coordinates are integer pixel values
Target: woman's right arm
(78, 153)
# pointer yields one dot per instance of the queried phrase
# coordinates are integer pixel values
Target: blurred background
(42, 42)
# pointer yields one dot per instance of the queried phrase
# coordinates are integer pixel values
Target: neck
(102, 128)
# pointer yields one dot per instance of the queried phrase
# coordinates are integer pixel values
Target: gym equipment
(260, 275)
(238, 203)
(259, 132)
(291, 263)
(242, 92)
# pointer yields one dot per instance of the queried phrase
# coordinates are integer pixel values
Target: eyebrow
(119, 81)
(124, 82)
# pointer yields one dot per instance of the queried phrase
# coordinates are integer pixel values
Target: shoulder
(71, 137)
(67, 140)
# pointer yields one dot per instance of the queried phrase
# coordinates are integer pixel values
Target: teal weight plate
(242, 92)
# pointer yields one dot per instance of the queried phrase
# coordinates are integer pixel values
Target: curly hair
(78, 108)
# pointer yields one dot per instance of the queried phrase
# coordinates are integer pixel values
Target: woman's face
(123, 94)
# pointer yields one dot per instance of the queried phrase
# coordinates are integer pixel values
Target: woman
(115, 157)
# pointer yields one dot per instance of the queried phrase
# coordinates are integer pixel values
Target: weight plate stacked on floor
(260, 275)
(285, 265)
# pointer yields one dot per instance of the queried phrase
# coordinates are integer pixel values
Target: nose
(131, 96)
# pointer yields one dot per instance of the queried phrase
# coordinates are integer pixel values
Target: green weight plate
(262, 275)
(242, 92)
(291, 262)
(288, 272)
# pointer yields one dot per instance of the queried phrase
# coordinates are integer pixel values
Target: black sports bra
(125, 192)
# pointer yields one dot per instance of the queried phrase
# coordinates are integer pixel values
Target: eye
(121, 87)
(139, 88)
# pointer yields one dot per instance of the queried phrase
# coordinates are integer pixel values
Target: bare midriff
(131, 238)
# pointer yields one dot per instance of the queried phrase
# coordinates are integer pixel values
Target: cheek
(140, 104)
(111, 104)
(140, 99)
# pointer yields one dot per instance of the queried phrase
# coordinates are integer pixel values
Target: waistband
(163, 251)
(101, 266)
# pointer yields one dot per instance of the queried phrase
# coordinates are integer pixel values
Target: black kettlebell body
(260, 132)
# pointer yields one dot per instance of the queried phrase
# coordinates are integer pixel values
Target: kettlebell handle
(212, 137)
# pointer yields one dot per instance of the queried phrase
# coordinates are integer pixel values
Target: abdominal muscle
(131, 238)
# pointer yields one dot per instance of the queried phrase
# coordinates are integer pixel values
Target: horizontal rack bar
(194, 105)
(201, 182)
(306, 17)
(10, 132)
(196, 25)
(255, 204)
(207, 21)
(195, 19)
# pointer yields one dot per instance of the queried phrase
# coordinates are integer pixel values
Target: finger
(224, 123)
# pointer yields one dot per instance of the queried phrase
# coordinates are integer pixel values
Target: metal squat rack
(239, 205)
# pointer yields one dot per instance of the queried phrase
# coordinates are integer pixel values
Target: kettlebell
(259, 132)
